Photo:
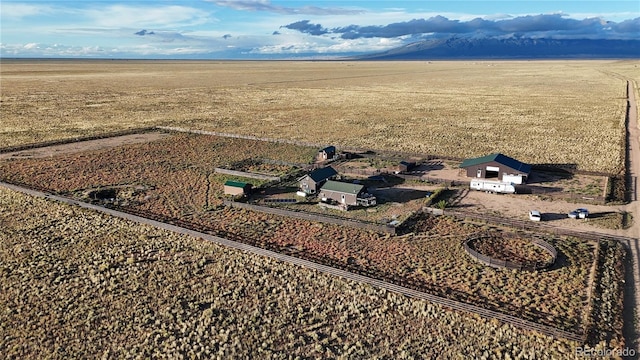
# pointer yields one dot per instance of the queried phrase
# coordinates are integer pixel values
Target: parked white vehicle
(516, 179)
(493, 186)
(534, 215)
(579, 214)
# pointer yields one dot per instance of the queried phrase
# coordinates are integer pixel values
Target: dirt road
(632, 316)
(81, 146)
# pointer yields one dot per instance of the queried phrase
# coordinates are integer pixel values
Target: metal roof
(342, 187)
(322, 174)
(238, 184)
(330, 148)
(499, 158)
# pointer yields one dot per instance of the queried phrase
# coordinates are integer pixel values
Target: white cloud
(267, 6)
(496, 17)
(613, 16)
(57, 50)
(46, 50)
(19, 10)
(327, 45)
(125, 16)
(97, 15)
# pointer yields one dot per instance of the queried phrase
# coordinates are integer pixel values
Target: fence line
(345, 169)
(568, 168)
(238, 136)
(247, 174)
(434, 211)
(423, 178)
(498, 263)
(75, 139)
(591, 282)
(541, 190)
(315, 217)
(281, 162)
(546, 246)
(433, 180)
(402, 154)
(529, 225)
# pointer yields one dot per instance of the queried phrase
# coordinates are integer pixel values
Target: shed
(327, 153)
(311, 183)
(346, 193)
(497, 166)
(236, 188)
(405, 166)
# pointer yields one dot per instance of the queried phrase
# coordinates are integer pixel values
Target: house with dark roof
(236, 188)
(497, 166)
(311, 183)
(327, 153)
(347, 194)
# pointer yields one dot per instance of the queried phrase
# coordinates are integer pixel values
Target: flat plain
(554, 112)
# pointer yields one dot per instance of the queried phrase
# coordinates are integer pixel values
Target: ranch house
(498, 167)
(346, 194)
(311, 183)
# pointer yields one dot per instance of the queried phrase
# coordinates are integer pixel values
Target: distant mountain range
(511, 48)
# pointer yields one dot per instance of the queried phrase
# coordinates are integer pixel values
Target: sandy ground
(82, 146)
(513, 206)
(554, 212)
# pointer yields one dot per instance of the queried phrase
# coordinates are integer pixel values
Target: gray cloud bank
(553, 25)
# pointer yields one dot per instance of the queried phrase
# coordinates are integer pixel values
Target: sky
(274, 29)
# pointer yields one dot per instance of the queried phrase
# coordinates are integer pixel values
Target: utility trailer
(493, 186)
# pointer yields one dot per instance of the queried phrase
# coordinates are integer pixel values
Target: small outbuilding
(327, 153)
(497, 166)
(237, 188)
(346, 194)
(311, 183)
(405, 166)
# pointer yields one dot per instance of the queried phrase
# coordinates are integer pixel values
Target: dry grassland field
(74, 283)
(77, 283)
(536, 111)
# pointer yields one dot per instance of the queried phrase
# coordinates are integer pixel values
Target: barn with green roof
(236, 188)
